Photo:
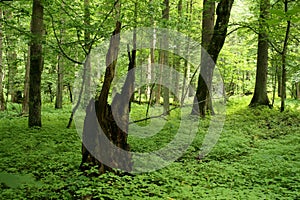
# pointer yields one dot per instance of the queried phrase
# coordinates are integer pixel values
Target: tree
(25, 103)
(60, 82)
(283, 58)
(213, 49)
(260, 96)
(208, 20)
(2, 104)
(164, 55)
(113, 119)
(36, 64)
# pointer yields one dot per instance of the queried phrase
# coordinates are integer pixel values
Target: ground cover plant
(256, 157)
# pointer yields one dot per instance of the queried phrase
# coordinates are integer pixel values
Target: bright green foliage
(257, 157)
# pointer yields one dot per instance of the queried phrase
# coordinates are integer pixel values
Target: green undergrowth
(257, 157)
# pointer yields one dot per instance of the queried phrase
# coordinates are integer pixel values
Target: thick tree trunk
(113, 119)
(201, 100)
(213, 49)
(2, 103)
(25, 103)
(260, 96)
(36, 64)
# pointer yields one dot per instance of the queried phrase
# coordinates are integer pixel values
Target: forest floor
(256, 157)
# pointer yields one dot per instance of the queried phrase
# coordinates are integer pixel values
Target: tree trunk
(279, 87)
(297, 90)
(176, 59)
(60, 84)
(213, 49)
(201, 99)
(260, 96)
(25, 104)
(2, 103)
(274, 85)
(87, 47)
(70, 92)
(12, 71)
(165, 56)
(283, 57)
(152, 53)
(36, 64)
(113, 119)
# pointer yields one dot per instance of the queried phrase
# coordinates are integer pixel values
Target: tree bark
(165, 56)
(297, 90)
(2, 103)
(279, 87)
(213, 49)
(176, 59)
(260, 96)
(201, 100)
(152, 54)
(283, 58)
(60, 83)
(87, 47)
(113, 119)
(36, 64)
(25, 103)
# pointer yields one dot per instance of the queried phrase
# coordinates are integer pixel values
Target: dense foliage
(257, 157)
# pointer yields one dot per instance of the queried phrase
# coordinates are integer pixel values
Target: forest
(155, 99)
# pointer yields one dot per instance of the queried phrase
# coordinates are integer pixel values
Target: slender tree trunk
(274, 86)
(283, 57)
(158, 86)
(36, 62)
(165, 57)
(2, 103)
(152, 50)
(279, 87)
(60, 83)
(70, 92)
(87, 46)
(176, 59)
(260, 96)
(12, 71)
(297, 85)
(25, 104)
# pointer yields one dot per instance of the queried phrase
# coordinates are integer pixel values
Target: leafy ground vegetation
(257, 157)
